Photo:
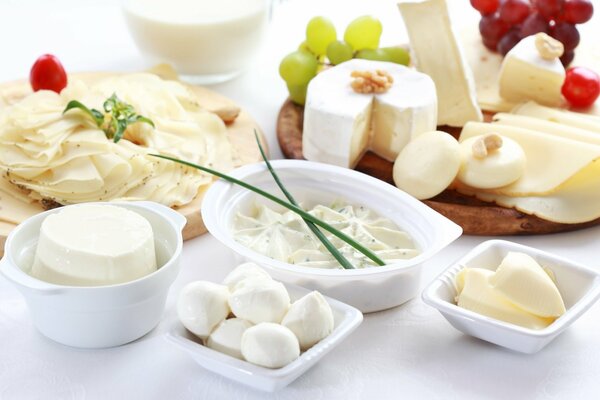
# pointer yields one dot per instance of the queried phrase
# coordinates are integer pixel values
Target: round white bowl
(98, 316)
(370, 289)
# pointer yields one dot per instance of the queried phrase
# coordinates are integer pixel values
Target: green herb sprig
(117, 116)
(305, 215)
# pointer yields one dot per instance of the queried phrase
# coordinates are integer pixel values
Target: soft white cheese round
(243, 272)
(427, 165)
(227, 337)
(310, 318)
(270, 345)
(259, 300)
(93, 245)
(499, 168)
(201, 306)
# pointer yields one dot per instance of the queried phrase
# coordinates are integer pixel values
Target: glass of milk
(207, 41)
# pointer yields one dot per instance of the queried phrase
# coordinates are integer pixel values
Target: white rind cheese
(340, 125)
(439, 55)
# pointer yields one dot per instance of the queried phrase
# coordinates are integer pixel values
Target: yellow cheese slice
(551, 160)
(570, 118)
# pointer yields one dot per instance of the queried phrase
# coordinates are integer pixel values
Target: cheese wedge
(340, 125)
(439, 55)
(526, 75)
(551, 160)
(573, 119)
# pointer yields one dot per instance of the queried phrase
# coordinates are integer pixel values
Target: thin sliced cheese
(570, 118)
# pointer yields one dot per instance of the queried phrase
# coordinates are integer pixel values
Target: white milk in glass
(205, 40)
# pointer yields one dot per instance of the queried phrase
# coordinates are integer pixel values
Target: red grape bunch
(505, 22)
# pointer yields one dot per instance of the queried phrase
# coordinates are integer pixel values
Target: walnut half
(377, 81)
(548, 47)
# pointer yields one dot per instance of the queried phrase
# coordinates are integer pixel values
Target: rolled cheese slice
(201, 306)
(427, 165)
(340, 125)
(227, 337)
(499, 168)
(310, 318)
(270, 345)
(259, 300)
(94, 245)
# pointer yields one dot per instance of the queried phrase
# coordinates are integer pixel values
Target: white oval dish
(369, 289)
(98, 316)
(346, 320)
(579, 287)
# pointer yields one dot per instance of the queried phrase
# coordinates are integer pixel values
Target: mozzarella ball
(270, 345)
(427, 165)
(499, 168)
(201, 306)
(227, 337)
(310, 318)
(243, 272)
(259, 300)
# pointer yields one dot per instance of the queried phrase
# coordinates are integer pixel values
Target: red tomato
(48, 73)
(581, 87)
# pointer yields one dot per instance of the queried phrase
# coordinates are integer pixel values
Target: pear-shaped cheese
(522, 281)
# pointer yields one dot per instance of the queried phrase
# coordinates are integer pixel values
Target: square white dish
(346, 320)
(579, 287)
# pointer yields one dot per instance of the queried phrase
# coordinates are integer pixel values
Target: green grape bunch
(321, 49)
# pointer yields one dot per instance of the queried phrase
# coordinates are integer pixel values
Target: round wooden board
(474, 216)
(240, 132)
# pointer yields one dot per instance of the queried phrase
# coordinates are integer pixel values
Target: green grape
(298, 67)
(363, 33)
(319, 33)
(298, 93)
(397, 55)
(339, 51)
(304, 47)
(376, 55)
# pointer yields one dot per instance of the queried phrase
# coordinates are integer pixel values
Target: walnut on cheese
(548, 47)
(377, 81)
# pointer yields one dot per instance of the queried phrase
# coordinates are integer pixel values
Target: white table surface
(406, 352)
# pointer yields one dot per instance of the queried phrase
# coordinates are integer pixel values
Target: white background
(406, 352)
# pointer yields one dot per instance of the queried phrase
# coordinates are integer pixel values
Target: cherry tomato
(581, 87)
(47, 73)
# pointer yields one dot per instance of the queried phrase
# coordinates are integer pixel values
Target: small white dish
(579, 287)
(97, 316)
(346, 320)
(311, 183)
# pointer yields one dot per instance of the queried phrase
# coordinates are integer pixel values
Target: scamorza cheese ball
(427, 165)
(243, 272)
(227, 337)
(259, 300)
(202, 306)
(310, 318)
(270, 345)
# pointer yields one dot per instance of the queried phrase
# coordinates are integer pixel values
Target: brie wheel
(270, 345)
(427, 165)
(87, 245)
(259, 300)
(340, 125)
(499, 168)
(201, 306)
(310, 318)
(227, 337)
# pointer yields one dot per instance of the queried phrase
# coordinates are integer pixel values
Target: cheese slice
(573, 119)
(340, 125)
(551, 160)
(439, 55)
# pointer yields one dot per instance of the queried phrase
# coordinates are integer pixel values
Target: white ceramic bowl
(578, 286)
(369, 289)
(100, 316)
(346, 320)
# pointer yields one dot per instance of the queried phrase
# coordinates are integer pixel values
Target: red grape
(492, 28)
(550, 9)
(485, 7)
(514, 11)
(490, 44)
(581, 87)
(565, 33)
(567, 57)
(577, 11)
(509, 41)
(533, 24)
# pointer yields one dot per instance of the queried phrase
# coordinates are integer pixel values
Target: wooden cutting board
(240, 131)
(474, 216)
